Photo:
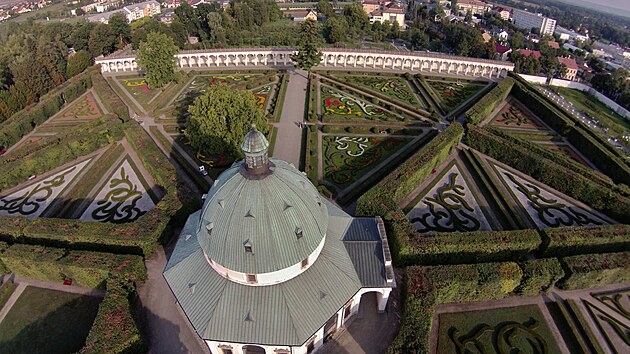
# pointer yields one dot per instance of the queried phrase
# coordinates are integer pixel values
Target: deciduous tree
(78, 62)
(156, 57)
(221, 117)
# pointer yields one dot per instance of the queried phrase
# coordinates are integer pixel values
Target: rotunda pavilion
(269, 266)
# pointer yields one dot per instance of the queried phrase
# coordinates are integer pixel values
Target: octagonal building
(269, 266)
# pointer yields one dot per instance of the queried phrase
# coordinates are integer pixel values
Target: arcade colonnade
(332, 58)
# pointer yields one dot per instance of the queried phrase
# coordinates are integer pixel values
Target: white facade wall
(405, 62)
(528, 20)
(271, 278)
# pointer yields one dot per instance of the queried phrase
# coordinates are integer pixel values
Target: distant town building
(132, 12)
(300, 16)
(486, 37)
(473, 6)
(553, 44)
(572, 68)
(567, 34)
(529, 21)
(370, 6)
(4, 15)
(527, 52)
(167, 16)
(504, 13)
(501, 35)
(391, 12)
(502, 51)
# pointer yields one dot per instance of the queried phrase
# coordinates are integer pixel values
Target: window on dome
(304, 263)
(248, 246)
(298, 233)
(251, 278)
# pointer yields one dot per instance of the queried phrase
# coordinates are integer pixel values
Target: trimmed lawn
(6, 290)
(492, 331)
(347, 158)
(453, 93)
(590, 106)
(47, 321)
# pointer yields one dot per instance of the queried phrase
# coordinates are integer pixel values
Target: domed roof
(254, 141)
(261, 224)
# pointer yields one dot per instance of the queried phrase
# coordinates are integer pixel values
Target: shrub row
(545, 110)
(23, 122)
(539, 275)
(89, 269)
(81, 141)
(312, 101)
(565, 241)
(310, 162)
(377, 175)
(482, 109)
(278, 98)
(557, 158)
(114, 330)
(400, 182)
(421, 83)
(139, 237)
(599, 154)
(110, 99)
(592, 270)
(470, 247)
(426, 287)
(607, 200)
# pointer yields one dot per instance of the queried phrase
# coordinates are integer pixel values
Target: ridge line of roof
(286, 304)
(331, 260)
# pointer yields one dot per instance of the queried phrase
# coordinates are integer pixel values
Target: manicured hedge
(114, 330)
(566, 241)
(592, 270)
(400, 182)
(89, 269)
(482, 109)
(81, 142)
(3, 247)
(23, 122)
(599, 155)
(113, 104)
(469, 247)
(607, 200)
(545, 110)
(539, 275)
(426, 287)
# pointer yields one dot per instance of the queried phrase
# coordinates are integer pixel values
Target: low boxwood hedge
(482, 109)
(593, 270)
(425, 287)
(566, 241)
(24, 121)
(113, 104)
(539, 275)
(609, 201)
(470, 247)
(115, 330)
(82, 141)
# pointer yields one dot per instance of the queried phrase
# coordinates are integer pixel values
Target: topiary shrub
(326, 129)
(539, 275)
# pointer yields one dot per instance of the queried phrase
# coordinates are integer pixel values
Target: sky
(619, 4)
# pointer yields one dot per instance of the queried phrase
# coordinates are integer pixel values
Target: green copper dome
(254, 142)
(261, 223)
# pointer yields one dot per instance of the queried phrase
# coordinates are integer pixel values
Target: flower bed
(348, 158)
(454, 93)
(336, 104)
(394, 87)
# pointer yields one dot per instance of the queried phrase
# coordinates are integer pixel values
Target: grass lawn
(47, 321)
(489, 331)
(590, 106)
(348, 158)
(139, 89)
(452, 93)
